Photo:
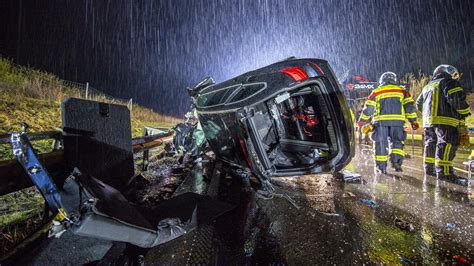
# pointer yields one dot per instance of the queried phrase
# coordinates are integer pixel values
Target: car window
(213, 98)
(247, 91)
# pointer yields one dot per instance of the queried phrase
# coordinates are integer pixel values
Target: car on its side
(286, 119)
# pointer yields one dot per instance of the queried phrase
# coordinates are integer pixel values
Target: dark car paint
(226, 125)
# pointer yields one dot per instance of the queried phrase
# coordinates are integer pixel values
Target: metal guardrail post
(146, 153)
(87, 90)
(470, 194)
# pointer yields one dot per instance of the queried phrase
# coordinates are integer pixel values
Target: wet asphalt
(403, 218)
(397, 218)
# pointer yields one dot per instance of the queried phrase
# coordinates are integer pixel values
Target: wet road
(396, 218)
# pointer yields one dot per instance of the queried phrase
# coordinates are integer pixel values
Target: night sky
(152, 50)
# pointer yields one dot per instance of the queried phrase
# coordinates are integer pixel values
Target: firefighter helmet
(448, 69)
(388, 78)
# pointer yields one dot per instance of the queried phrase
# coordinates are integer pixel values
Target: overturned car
(288, 118)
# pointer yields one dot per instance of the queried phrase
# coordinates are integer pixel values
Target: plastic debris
(348, 194)
(330, 214)
(349, 177)
(460, 259)
(450, 225)
(404, 225)
(405, 261)
(461, 181)
(370, 203)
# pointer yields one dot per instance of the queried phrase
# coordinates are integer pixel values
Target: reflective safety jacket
(390, 105)
(443, 102)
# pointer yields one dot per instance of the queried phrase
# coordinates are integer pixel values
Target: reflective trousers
(441, 143)
(389, 140)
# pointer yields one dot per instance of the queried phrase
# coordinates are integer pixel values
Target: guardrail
(13, 177)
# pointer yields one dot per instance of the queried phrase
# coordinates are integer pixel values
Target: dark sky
(151, 50)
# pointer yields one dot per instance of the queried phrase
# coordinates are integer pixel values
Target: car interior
(300, 133)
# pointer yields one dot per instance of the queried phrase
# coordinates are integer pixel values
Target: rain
(152, 50)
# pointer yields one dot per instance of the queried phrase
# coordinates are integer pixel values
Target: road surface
(395, 218)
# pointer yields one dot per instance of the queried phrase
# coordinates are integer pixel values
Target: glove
(360, 123)
(463, 136)
(414, 125)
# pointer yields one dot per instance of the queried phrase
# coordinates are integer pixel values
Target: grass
(34, 97)
(29, 92)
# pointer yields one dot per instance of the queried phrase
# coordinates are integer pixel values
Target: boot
(453, 179)
(430, 172)
(379, 170)
(397, 167)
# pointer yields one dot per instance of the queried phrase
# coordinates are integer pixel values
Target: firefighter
(444, 107)
(389, 105)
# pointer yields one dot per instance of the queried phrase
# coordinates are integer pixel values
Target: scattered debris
(264, 194)
(451, 226)
(251, 242)
(370, 203)
(348, 194)
(405, 261)
(460, 259)
(462, 182)
(404, 225)
(348, 177)
(331, 214)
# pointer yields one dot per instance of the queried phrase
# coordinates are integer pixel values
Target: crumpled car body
(289, 118)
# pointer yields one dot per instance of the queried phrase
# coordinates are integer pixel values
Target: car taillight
(296, 73)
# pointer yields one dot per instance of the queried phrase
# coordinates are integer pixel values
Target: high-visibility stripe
(454, 90)
(440, 120)
(370, 103)
(443, 163)
(390, 95)
(381, 158)
(436, 103)
(389, 117)
(408, 100)
(464, 111)
(410, 115)
(397, 151)
(446, 152)
(388, 89)
(446, 163)
(364, 117)
(431, 86)
(429, 159)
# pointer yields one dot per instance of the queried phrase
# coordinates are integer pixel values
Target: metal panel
(98, 140)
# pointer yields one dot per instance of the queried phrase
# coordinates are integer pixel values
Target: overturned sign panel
(97, 140)
(289, 118)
